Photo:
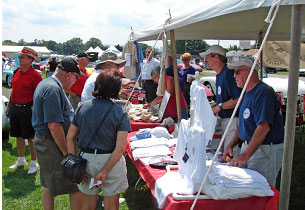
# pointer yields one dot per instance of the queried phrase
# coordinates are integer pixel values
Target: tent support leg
(296, 29)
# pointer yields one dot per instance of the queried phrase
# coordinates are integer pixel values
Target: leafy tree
(21, 42)
(192, 46)
(73, 46)
(51, 45)
(120, 48)
(9, 42)
(234, 47)
(93, 42)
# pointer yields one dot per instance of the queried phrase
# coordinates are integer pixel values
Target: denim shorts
(51, 171)
(116, 180)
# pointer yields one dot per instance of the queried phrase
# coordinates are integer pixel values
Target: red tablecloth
(150, 176)
(135, 126)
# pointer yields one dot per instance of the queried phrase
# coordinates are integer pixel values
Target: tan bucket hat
(29, 52)
(111, 57)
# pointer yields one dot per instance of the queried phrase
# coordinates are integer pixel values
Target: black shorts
(21, 121)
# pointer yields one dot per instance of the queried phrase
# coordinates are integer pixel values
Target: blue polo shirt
(226, 89)
(50, 105)
(261, 105)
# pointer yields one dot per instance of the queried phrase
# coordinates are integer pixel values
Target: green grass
(22, 191)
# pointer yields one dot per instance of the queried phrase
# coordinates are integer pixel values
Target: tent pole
(260, 40)
(296, 29)
(173, 44)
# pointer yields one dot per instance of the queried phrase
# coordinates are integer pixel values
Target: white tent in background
(113, 49)
(99, 50)
(90, 50)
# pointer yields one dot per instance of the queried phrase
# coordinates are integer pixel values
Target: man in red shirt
(24, 83)
(76, 90)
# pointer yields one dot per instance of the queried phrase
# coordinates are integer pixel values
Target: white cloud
(58, 20)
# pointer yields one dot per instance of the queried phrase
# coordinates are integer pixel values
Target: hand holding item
(95, 183)
(238, 161)
(228, 154)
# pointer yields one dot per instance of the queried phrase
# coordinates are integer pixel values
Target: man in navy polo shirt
(51, 118)
(260, 125)
(227, 92)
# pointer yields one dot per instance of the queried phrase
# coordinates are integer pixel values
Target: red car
(43, 65)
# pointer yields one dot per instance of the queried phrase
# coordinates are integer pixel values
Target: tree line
(72, 46)
(76, 45)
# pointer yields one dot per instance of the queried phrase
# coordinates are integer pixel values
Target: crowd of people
(62, 113)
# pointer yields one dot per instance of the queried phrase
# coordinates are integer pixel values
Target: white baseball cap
(243, 61)
(214, 49)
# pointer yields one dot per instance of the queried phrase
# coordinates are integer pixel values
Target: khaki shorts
(116, 180)
(51, 171)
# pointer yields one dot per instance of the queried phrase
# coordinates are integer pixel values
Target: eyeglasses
(148, 51)
(185, 59)
(239, 70)
(76, 76)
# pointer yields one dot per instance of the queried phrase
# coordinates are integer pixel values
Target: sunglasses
(21, 57)
(239, 70)
(76, 76)
(148, 51)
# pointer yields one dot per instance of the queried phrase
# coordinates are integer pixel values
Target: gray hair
(156, 71)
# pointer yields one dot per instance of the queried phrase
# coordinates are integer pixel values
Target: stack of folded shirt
(150, 152)
(151, 142)
(156, 132)
(227, 176)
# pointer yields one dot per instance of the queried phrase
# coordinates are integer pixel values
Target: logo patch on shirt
(219, 90)
(246, 113)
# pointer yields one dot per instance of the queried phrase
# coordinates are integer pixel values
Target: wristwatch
(220, 106)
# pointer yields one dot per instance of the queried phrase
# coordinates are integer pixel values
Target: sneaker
(18, 163)
(33, 168)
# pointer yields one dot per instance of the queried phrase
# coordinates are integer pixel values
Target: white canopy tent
(114, 50)
(222, 19)
(97, 49)
(243, 20)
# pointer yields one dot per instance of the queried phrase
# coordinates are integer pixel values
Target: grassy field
(22, 191)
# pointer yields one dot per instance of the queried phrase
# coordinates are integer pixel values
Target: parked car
(5, 119)
(270, 70)
(273, 70)
(197, 67)
(7, 73)
(302, 72)
(42, 65)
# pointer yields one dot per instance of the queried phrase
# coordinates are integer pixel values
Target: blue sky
(110, 21)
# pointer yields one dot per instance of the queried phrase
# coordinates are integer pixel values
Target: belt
(269, 143)
(23, 105)
(97, 151)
